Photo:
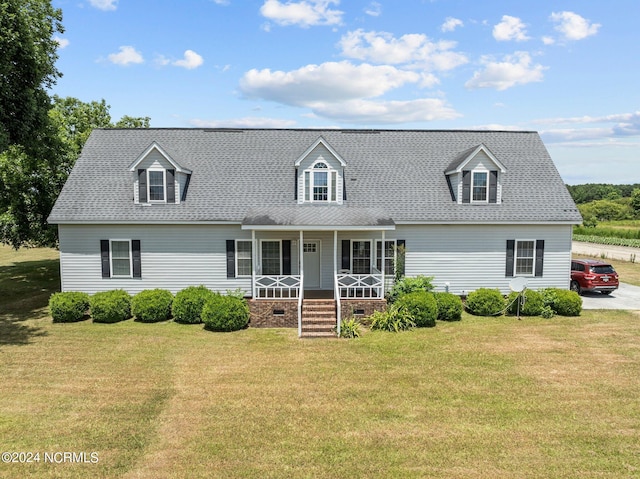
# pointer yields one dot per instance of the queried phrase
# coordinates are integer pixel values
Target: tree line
(41, 136)
(599, 202)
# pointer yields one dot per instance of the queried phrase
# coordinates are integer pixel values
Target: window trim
(164, 185)
(237, 258)
(309, 175)
(111, 271)
(516, 249)
(280, 260)
(473, 185)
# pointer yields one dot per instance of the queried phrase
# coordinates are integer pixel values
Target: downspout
(254, 260)
(335, 282)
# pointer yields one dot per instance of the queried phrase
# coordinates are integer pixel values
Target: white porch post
(336, 290)
(383, 260)
(301, 291)
(254, 260)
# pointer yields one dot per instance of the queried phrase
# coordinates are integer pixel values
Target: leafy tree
(27, 69)
(635, 201)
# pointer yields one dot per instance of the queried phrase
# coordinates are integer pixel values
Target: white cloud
(62, 42)
(572, 26)
(514, 70)
(374, 9)
(548, 40)
(247, 122)
(620, 125)
(510, 28)
(329, 82)
(450, 24)
(190, 61)
(126, 56)
(304, 13)
(412, 48)
(221, 2)
(105, 5)
(384, 112)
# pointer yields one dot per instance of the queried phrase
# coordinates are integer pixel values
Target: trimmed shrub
(225, 313)
(409, 285)
(188, 304)
(393, 319)
(533, 303)
(421, 306)
(562, 301)
(485, 302)
(110, 306)
(68, 306)
(449, 306)
(350, 328)
(152, 305)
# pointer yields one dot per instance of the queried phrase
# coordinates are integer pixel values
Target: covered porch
(336, 254)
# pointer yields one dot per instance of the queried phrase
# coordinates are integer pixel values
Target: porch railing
(280, 286)
(360, 285)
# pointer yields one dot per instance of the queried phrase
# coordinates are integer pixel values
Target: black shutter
(511, 245)
(493, 186)
(539, 257)
(137, 263)
(231, 259)
(346, 254)
(466, 186)
(142, 186)
(400, 267)
(295, 185)
(286, 256)
(171, 186)
(104, 258)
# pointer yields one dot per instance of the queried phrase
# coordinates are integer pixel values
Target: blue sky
(568, 69)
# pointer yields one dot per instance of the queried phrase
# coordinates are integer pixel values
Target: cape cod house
(290, 215)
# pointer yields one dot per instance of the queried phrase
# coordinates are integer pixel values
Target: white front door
(311, 264)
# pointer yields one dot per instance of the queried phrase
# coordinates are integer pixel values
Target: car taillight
(590, 277)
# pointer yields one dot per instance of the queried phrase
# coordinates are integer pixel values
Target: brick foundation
(264, 313)
(353, 307)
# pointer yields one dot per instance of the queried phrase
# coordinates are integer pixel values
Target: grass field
(481, 398)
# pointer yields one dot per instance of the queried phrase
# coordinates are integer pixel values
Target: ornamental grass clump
(152, 305)
(421, 306)
(188, 304)
(449, 306)
(485, 302)
(350, 328)
(110, 306)
(225, 313)
(68, 306)
(393, 320)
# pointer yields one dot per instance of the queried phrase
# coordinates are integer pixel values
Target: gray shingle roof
(390, 174)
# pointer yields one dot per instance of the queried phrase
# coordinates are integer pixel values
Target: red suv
(593, 275)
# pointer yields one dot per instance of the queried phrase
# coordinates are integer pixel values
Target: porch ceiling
(318, 217)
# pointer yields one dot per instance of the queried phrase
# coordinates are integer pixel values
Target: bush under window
(421, 306)
(110, 306)
(562, 301)
(449, 306)
(152, 305)
(485, 302)
(533, 303)
(225, 313)
(188, 304)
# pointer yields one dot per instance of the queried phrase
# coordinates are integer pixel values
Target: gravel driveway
(625, 297)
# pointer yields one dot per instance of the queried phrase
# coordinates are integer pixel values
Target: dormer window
(320, 183)
(157, 185)
(480, 187)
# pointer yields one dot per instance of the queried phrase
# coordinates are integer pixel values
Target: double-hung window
(120, 258)
(480, 186)
(389, 256)
(320, 183)
(361, 257)
(156, 185)
(525, 257)
(271, 264)
(243, 258)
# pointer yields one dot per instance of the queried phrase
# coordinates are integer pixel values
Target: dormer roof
(156, 147)
(323, 142)
(461, 160)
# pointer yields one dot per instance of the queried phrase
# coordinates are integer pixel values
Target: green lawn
(481, 398)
